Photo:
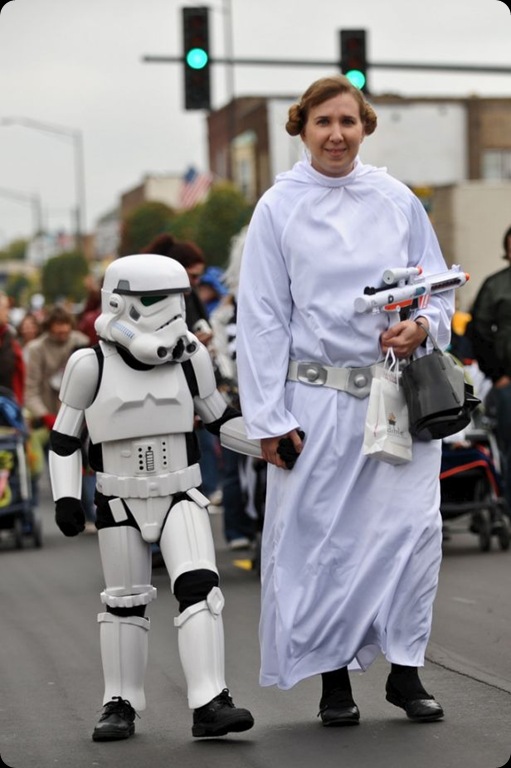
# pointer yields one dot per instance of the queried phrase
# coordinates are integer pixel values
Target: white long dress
(351, 546)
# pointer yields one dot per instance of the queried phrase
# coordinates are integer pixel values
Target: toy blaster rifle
(407, 288)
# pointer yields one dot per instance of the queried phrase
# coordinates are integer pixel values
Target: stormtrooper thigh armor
(187, 545)
(126, 561)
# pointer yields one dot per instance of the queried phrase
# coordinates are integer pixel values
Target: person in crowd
(490, 334)
(137, 391)
(351, 547)
(12, 364)
(211, 289)
(191, 257)
(28, 329)
(91, 309)
(238, 478)
(47, 356)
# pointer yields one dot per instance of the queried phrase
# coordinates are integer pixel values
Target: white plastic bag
(386, 435)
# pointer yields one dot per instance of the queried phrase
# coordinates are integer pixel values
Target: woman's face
(333, 134)
(28, 329)
(195, 273)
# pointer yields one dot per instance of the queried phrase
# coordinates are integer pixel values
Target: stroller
(471, 487)
(17, 514)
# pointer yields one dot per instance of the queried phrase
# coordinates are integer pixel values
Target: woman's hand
(204, 337)
(504, 381)
(404, 337)
(270, 448)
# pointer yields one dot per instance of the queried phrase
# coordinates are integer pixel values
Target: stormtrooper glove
(69, 516)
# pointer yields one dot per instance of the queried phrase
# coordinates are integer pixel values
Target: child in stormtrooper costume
(137, 392)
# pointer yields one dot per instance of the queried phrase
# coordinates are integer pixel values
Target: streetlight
(79, 166)
(37, 215)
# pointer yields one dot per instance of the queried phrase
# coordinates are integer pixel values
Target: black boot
(116, 721)
(336, 706)
(219, 717)
(404, 689)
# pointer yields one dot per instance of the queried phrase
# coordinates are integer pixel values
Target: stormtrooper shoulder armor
(80, 380)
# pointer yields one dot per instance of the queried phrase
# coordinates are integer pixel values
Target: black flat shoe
(423, 709)
(116, 721)
(219, 717)
(338, 708)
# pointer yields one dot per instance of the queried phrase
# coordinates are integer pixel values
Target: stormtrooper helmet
(143, 309)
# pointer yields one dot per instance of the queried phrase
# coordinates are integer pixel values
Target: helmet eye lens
(148, 301)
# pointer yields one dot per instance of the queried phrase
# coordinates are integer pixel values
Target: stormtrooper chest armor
(145, 414)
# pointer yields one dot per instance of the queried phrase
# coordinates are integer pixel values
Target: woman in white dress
(351, 546)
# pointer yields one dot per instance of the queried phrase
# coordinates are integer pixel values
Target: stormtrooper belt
(145, 487)
(354, 381)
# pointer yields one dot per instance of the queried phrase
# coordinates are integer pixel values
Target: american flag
(195, 187)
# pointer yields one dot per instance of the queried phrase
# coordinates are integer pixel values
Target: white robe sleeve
(263, 336)
(425, 252)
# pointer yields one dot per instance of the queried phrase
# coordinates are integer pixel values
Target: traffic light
(196, 58)
(353, 57)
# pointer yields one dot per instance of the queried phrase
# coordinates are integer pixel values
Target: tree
(219, 218)
(63, 276)
(210, 225)
(19, 287)
(15, 251)
(185, 225)
(144, 223)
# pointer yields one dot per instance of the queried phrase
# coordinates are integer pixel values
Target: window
(496, 164)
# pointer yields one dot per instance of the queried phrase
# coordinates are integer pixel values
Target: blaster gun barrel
(395, 276)
(394, 298)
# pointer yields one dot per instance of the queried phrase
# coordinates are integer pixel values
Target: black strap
(101, 364)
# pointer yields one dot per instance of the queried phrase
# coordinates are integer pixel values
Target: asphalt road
(51, 682)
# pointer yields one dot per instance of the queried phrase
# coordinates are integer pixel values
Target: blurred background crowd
(38, 336)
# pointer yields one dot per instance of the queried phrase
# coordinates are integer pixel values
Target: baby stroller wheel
(37, 532)
(482, 525)
(503, 533)
(18, 532)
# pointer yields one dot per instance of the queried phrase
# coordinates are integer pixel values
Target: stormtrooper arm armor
(76, 393)
(208, 403)
(233, 435)
(219, 417)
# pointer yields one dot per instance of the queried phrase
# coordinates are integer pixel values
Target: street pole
(229, 75)
(417, 66)
(80, 187)
(35, 203)
(79, 164)
(37, 215)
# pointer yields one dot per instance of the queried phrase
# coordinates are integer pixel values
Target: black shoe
(422, 708)
(220, 716)
(338, 708)
(116, 721)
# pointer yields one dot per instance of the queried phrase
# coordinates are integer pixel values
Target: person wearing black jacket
(490, 334)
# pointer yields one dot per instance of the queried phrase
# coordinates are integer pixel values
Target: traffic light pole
(495, 70)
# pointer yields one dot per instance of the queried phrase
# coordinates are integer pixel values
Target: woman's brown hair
(322, 90)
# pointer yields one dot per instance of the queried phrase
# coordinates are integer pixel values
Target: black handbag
(439, 398)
